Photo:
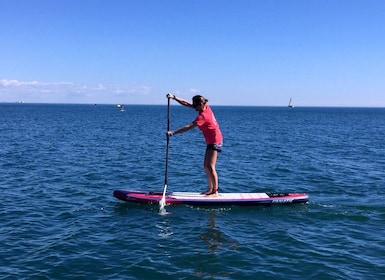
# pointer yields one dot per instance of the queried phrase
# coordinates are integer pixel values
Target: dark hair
(198, 99)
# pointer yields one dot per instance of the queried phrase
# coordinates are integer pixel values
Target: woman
(207, 123)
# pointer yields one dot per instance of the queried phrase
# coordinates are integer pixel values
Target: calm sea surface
(61, 163)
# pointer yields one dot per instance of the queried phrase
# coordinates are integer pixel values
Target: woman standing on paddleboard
(207, 123)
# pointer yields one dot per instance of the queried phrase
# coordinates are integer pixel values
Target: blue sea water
(61, 163)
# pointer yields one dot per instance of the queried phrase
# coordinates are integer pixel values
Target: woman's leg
(211, 173)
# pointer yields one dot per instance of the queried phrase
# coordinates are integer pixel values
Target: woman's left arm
(182, 129)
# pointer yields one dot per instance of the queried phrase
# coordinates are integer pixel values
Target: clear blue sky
(238, 52)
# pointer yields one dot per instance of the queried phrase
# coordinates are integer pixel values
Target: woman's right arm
(180, 100)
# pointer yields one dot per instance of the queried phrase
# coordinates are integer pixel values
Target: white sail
(290, 104)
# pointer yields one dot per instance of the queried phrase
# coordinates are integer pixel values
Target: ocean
(60, 164)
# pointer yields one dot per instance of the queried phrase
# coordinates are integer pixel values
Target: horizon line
(213, 105)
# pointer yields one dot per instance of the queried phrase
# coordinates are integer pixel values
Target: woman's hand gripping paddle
(162, 202)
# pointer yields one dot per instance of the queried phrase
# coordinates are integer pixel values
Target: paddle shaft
(167, 142)
(162, 202)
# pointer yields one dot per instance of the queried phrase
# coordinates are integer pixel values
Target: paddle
(162, 202)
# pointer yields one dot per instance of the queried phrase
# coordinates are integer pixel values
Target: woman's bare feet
(211, 192)
(207, 192)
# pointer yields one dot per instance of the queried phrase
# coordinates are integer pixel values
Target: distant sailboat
(290, 104)
(121, 106)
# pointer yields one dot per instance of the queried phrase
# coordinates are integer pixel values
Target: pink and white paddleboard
(222, 199)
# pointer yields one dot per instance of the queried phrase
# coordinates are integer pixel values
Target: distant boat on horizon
(121, 107)
(290, 104)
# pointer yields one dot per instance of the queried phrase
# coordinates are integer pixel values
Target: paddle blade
(162, 202)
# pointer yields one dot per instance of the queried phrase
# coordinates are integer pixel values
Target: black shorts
(215, 147)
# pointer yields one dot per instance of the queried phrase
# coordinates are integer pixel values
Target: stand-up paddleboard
(222, 199)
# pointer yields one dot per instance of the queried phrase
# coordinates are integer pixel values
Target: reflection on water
(214, 237)
(218, 245)
(164, 229)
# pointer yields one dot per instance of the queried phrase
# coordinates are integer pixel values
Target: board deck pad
(192, 198)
